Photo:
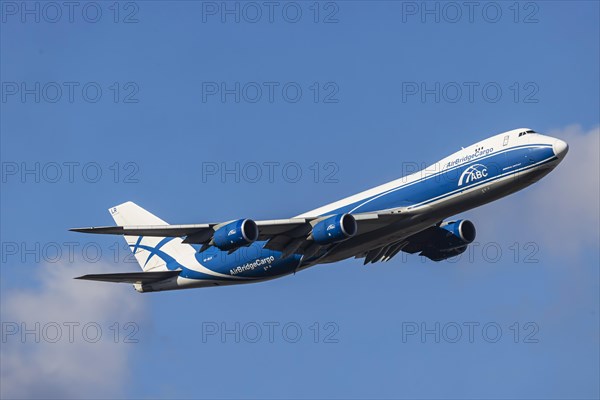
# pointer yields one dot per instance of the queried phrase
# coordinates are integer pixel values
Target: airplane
(407, 214)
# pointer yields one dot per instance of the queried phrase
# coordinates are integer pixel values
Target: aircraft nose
(560, 148)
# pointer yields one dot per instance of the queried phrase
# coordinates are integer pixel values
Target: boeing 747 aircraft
(403, 215)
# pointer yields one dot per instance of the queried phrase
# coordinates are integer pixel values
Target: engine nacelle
(235, 234)
(334, 229)
(460, 233)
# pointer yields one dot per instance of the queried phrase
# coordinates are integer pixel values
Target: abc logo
(473, 173)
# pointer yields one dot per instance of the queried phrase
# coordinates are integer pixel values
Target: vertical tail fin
(152, 253)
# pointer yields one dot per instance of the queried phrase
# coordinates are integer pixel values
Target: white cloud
(62, 369)
(572, 201)
(562, 211)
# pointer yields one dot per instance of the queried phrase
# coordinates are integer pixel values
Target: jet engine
(334, 229)
(235, 234)
(438, 243)
(461, 232)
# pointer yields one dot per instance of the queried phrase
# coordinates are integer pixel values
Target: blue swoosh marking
(137, 244)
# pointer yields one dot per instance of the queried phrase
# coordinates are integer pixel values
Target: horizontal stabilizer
(131, 277)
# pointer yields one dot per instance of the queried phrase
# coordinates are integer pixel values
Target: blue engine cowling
(460, 233)
(438, 243)
(334, 229)
(235, 234)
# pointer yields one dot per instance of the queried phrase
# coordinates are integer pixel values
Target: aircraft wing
(278, 233)
(194, 232)
(426, 243)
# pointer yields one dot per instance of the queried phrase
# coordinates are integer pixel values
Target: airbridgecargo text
(260, 262)
(469, 157)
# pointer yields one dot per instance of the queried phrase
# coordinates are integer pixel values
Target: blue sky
(100, 112)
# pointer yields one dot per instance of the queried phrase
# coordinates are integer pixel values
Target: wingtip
(81, 230)
(112, 230)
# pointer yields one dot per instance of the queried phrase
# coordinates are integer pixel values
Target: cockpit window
(526, 132)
